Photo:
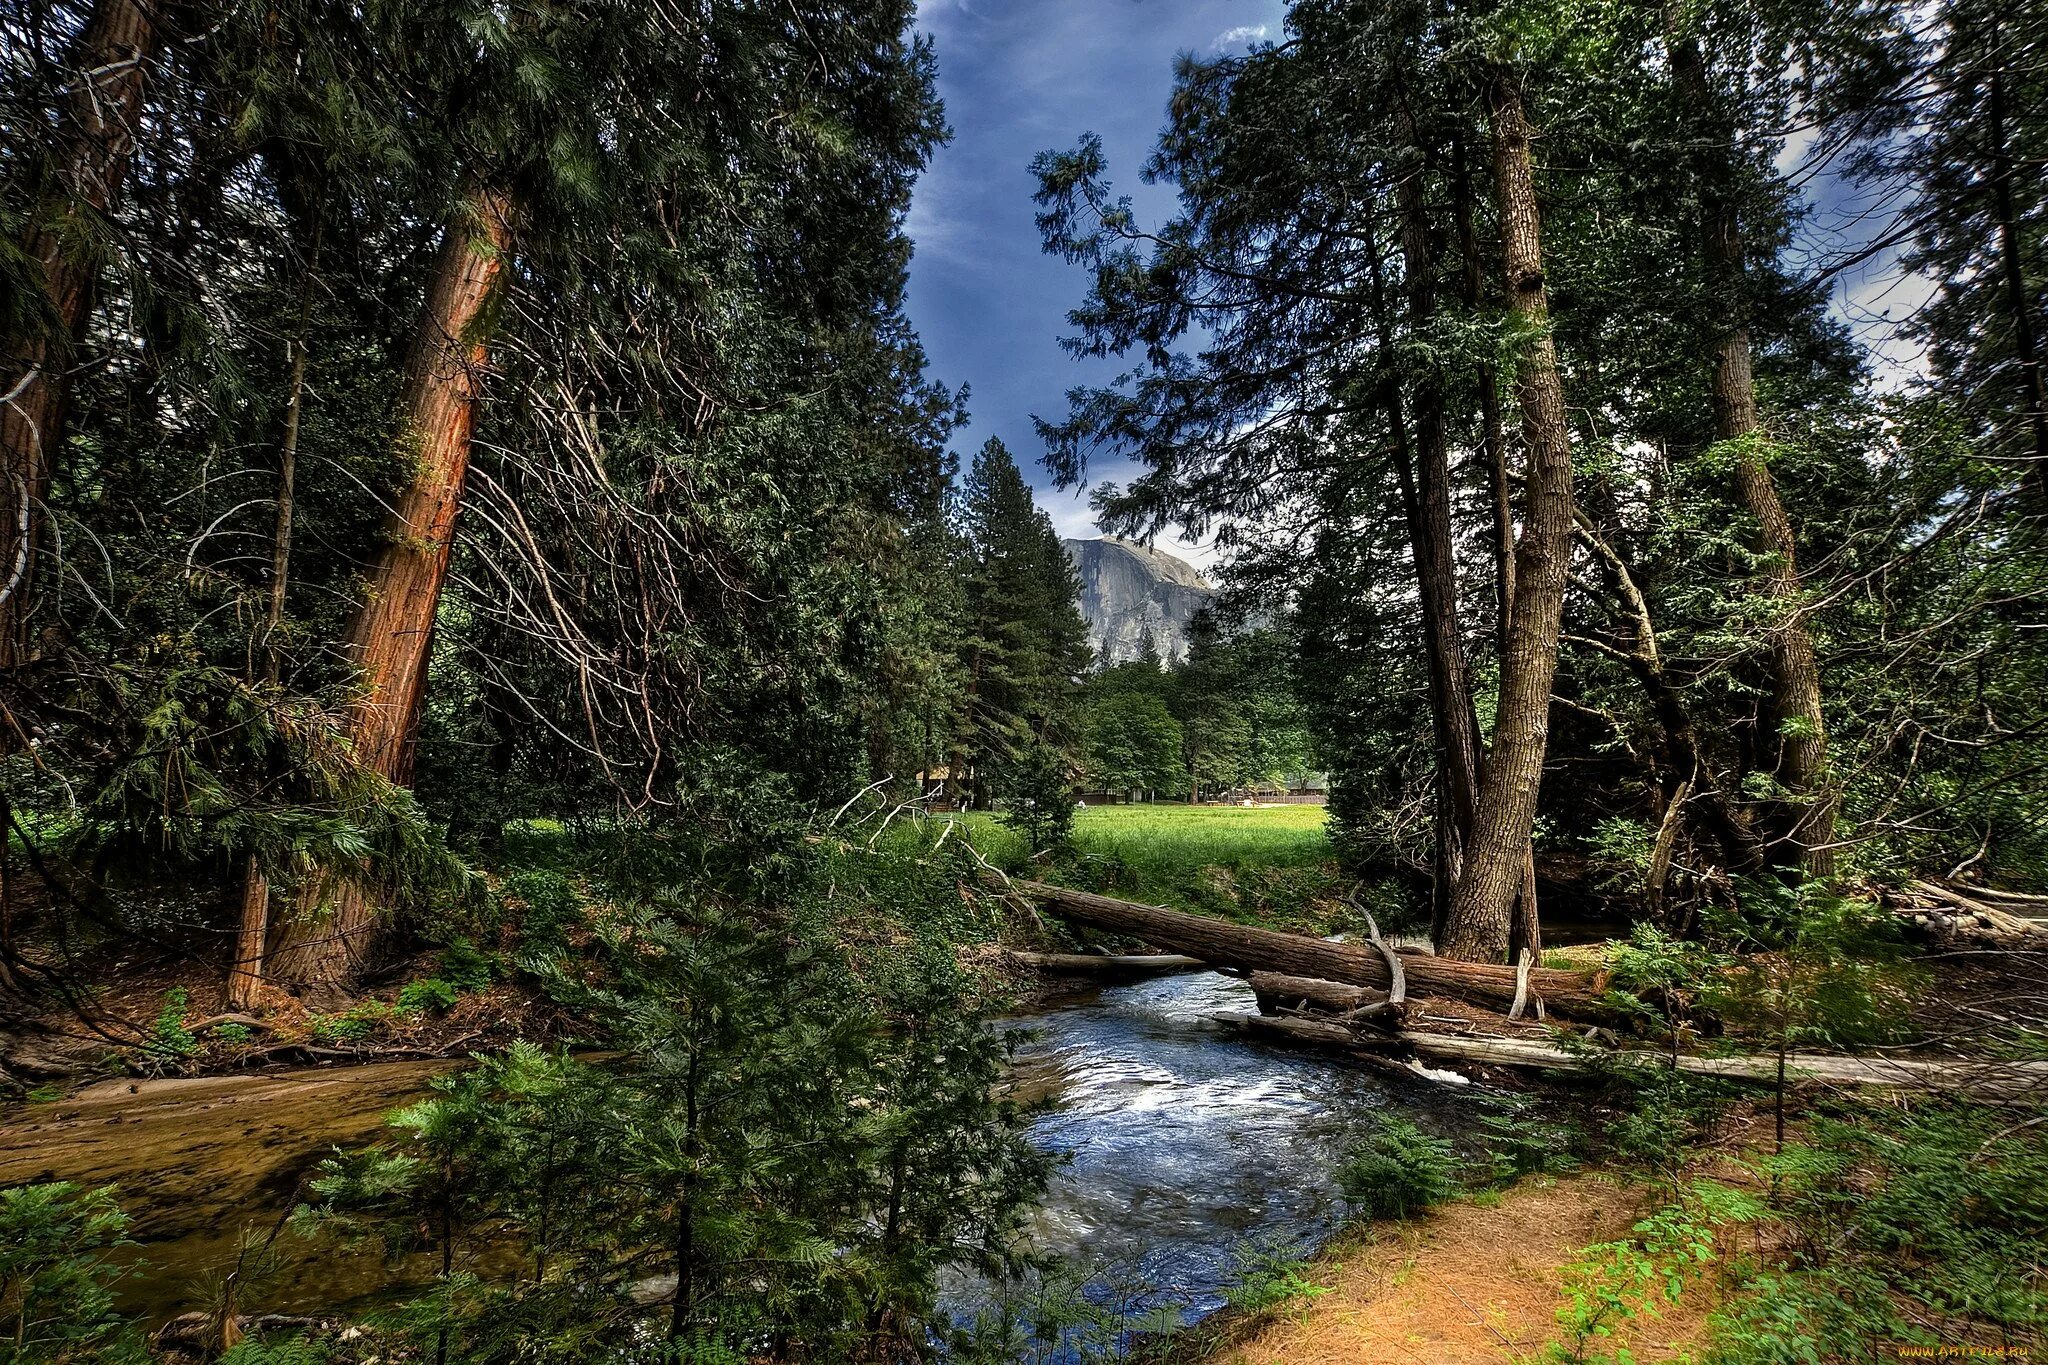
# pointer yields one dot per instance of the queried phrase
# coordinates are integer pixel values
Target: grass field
(1259, 864)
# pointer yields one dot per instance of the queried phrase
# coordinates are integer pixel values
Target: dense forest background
(1462, 314)
(424, 418)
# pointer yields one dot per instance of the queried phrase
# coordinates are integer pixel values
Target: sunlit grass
(1262, 862)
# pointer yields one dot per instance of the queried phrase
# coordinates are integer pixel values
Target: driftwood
(2021, 1082)
(1354, 1004)
(1219, 943)
(1974, 915)
(1309, 992)
(1107, 964)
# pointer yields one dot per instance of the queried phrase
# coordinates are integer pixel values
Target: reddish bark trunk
(100, 114)
(1496, 862)
(334, 921)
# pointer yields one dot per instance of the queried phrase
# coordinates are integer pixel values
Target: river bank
(1179, 1145)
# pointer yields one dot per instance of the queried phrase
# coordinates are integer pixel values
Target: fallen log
(1107, 964)
(1997, 1081)
(201, 1333)
(1223, 944)
(1997, 894)
(1298, 992)
(1350, 1004)
(1950, 917)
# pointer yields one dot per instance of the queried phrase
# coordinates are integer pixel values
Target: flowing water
(1184, 1144)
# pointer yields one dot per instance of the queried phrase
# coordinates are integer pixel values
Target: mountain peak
(1129, 590)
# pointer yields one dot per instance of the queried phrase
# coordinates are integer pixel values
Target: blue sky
(1019, 77)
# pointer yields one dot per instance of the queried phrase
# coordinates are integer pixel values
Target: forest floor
(1475, 1282)
(1481, 1280)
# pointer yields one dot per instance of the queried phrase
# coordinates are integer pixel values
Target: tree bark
(1496, 862)
(334, 921)
(1526, 926)
(1224, 944)
(1807, 825)
(1991, 1080)
(1429, 499)
(109, 67)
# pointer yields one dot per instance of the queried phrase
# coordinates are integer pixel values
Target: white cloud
(1239, 37)
(1074, 520)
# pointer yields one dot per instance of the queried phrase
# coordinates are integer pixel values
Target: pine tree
(1026, 643)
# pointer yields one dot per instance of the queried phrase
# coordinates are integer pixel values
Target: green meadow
(1262, 864)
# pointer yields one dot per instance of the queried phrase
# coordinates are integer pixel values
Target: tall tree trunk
(1526, 927)
(2013, 276)
(109, 68)
(1497, 858)
(245, 973)
(1425, 500)
(1807, 826)
(334, 921)
(1457, 722)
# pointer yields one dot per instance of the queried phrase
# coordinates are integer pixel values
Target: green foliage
(1518, 1138)
(1614, 1285)
(428, 993)
(464, 966)
(1816, 968)
(1057, 1313)
(1134, 744)
(1019, 642)
(170, 1042)
(1926, 1227)
(545, 904)
(1659, 980)
(1399, 1171)
(1669, 1113)
(288, 1351)
(799, 1124)
(1040, 804)
(1269, 1278)
(352, 1025)
(56, 1284)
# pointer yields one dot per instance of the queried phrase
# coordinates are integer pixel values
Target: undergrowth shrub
(1269, 1277)
(1614, 1286)
(1516, 1139)
(1925, 1228)
(1399, 1171)
(56, 1282)
(429, 994)
(169, 1042)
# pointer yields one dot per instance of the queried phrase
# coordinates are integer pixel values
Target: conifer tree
(1026, 644)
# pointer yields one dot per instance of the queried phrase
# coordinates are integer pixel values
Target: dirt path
(1465, 1285)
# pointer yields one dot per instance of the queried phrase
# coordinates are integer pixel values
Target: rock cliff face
(1128, 589)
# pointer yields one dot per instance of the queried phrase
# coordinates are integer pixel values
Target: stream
(1183, 1145)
